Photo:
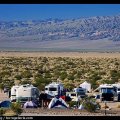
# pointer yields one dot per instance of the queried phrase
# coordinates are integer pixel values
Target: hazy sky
(10, 12)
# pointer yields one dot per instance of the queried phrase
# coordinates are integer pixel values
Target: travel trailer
(24, 93)
(54, 89)
(107, 92)
(27, 92)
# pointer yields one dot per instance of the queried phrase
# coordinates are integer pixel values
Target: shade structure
(57, 103)
(5, 104)
(30, 104)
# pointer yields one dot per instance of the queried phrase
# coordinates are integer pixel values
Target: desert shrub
(2, 111)
(72, 103)
(90, 105)
(16, 107)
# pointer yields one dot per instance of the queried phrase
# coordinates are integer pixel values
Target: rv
(27, 92)
(24, 93)
(80, 91)
(107, 92)
(54, 89)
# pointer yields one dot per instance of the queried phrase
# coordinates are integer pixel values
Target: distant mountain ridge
(81, 29)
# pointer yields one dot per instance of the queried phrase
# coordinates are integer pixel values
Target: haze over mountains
(100, 32)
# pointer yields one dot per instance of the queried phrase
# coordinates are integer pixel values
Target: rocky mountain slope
(71, 33)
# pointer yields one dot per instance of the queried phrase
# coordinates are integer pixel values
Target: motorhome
(24, 93)
(27, 92)
(107, 92)
(54, 89)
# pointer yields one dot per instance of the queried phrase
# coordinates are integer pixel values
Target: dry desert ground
(62, 54)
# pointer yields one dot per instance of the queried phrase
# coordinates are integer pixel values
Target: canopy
(86, 85)
(57, 103)
(5, 104)
(30, 104)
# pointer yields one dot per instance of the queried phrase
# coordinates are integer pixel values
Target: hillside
(101, 32)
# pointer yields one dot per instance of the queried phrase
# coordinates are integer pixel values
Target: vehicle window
(118, 89)
(52, 89)
(46, 88)
(73, 94)
(107, 90)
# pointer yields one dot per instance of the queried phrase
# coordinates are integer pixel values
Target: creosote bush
(16, 107)
(90, 105)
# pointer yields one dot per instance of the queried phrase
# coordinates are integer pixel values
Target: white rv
(27, 92)
(54, 89)
(13, 92)
(24, 93)
(107, 92)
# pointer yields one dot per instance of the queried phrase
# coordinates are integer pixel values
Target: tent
(30, 104)
(86, 85)
(5, 104)
(57, 103)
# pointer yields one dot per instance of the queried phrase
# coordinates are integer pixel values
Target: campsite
(47, 85)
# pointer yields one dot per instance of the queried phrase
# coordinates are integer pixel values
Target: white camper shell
(54, 89)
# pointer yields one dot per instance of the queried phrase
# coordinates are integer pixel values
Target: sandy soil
(61, 54)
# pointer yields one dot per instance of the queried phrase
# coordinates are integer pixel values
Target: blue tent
(6, 104)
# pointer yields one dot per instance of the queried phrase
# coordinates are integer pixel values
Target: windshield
(106, 90)
(52, 89)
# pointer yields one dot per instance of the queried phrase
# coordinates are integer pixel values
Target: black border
(59, 117)
(62, 2)
(59, 2)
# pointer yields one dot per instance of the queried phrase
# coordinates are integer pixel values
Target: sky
(13, 12)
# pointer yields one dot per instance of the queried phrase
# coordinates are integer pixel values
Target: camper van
(107, 92)
(54, 89)
(80, 91)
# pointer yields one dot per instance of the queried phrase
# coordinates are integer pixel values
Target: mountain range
(99, 32)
